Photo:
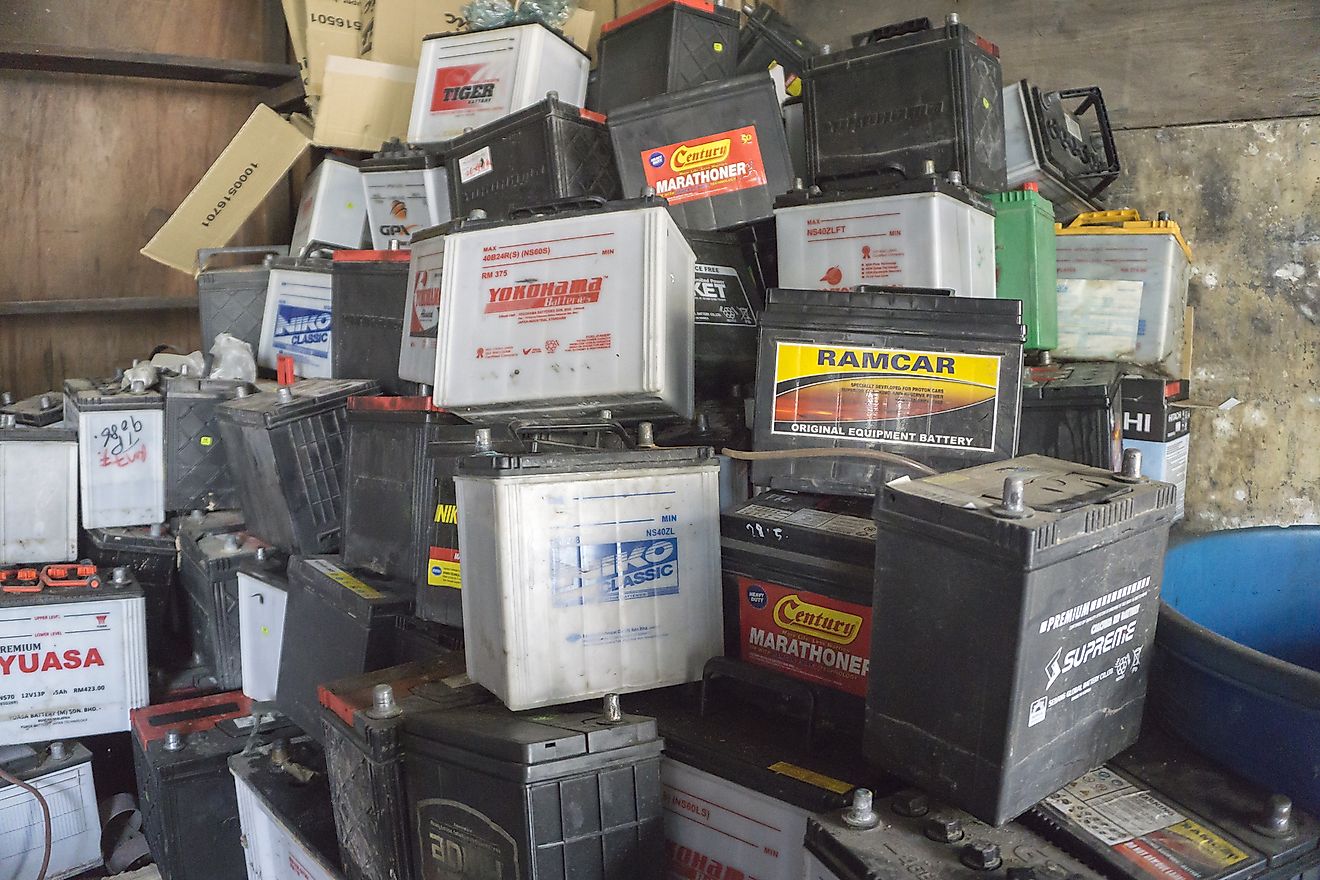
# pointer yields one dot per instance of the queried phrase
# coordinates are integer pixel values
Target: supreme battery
(286, 449)
(366, 309)
(149, 552)
(932, 232)
(930, 377)
(298, 319)
(421, 307)
(728, 296)
(231, 291)
(933, 93)
(1061, 561)
(1156, 425)
(38, 493)
(263, 598)
(208, 573)
(332, 212)
(61, 772)
(616, 591)
(467, 80)
(1073, 411)
(284, 811)
(196, 469)
(395, 181)
(567, 313)
(73, 651)
(121, 462)
(665, 46)
(716, 152)
(37, 411)
(768, 40)
(1026, 261)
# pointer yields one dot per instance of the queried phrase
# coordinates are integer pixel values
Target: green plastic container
(1025, 265)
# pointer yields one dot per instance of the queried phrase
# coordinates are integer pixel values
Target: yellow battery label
(811, 777)
(1209, 845)
(442, 568)
(345, 580)
(205, 441)
(446, 513)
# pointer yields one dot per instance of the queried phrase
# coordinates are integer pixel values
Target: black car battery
(1015, 606)
(368, 289)
(189, 809)
(1157, 423)
(208, 573)
(36, 411)
(931, 94)
(197, 522)
(717, 153)
(540, 154)
(150, 553)
(908, 372)
(286, 451)
(665, 46)
(768, 40)
(729, 294)
(1073, 412)
(196, 468)
(231, 291)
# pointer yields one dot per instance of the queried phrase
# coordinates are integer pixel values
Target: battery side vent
(1103, 515)
(1046, 535)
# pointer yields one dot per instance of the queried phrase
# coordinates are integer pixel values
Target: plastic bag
(486, 14)
(232, 359)
(141, 371)
(180, 365)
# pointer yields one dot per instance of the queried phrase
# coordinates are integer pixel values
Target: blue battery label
(591, 574)
(302, 331)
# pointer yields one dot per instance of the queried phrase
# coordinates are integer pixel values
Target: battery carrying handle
(1093, 100)
(545, 428)
(1105, 218)
(902, 28)
(560, 206)
(780, 694)
(205, 254)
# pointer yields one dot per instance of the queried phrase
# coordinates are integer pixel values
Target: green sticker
(985, 102)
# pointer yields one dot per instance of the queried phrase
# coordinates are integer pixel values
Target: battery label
(720, 297)
(466, 87)
(590, 574)
(396, 209)
(475, 165)
(459, 842)
(706, 167)
(344, 579)
(442, 568)
(424, 303)
(900, 396)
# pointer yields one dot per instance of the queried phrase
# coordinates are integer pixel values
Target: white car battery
(930, 232)
(421, 309)
(38, 493)
(398, 199)
(568, 313)
(333, 209)
(589, 573)
(467, 80)
(298, 318)
(285, 813)
(121, 455)
(263, 594)
(73, 660)
(62, 773)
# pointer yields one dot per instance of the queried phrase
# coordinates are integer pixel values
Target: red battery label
(705, 167)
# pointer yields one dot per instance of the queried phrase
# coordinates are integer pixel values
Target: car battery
(75, 652)
(190, 526)
(208, 573)
(1123, 289)
(933, 93)
(720, 423)
(396, 183)
(284, 811)
(1063, 563)
(286, 450)
(149, 552)
(717, 152)
(541, 154)
(728, 297)
(189, 811)
(342, 624)
(38, 493)
(768, 40)
(665, 46)
(935, 379)
(121, 462)
(232, 298)
(1074, 412)
(467, 80)
(569, 792)
(925, 233)
(612, 591)
(299, 319)
(1157, 426)
(567, 313)
(196, 469)
(366, 310)
(333, 210)
(1025, 261)
(263, 597)
(37, 411)
(421, 308)
(62, 773)
(1050, 138)
(796, 132)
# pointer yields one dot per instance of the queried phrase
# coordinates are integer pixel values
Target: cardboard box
(334, 27)
(258, 157)
(393, 30)
(583, 30)
(363, 104)
(601, 12)
(295, 18)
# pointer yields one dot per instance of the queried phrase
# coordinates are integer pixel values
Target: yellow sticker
(443, 570)
(446, 513)
(811, 777)
(985, 102)
(718, 47)
(1209, 845)
(206, 441)
(344, 579)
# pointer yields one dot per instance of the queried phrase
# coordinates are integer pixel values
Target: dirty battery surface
(366, 310)
(39, 497)
(284, 811)
(196, 470)
(208, 573)
(1073, 412)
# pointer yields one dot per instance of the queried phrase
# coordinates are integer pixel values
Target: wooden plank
(97, 305)
(108, 62)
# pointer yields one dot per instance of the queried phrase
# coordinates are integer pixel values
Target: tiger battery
(1062, 563)
(931, 377)
(73, 652)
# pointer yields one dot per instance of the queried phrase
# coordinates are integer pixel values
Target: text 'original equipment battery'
(62, 773)
(366, 310)
(38, 493)
(121, 461)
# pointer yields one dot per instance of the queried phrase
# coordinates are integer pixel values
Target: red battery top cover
(151, 723)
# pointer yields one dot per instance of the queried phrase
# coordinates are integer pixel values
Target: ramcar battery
(421, 307)
(196, 469)
(717, 152)
(284, 811)
(1074, 412)
(366, 310)
(567, 313)
(932, 94)
(398, 198)
(1063, 563)
(37, 411)
(62, 773)
(1025, 261)
(298, 320)
(768, 40)
(232, 298)
(333, 209)
(933, 378)
(1158, 427)
(286, 449)
(924, 233)
(121, 461)
(1123, 289)
(728, 296)
(540, 154)
(665, 46)
(467, 80)
(613, 591)
(263, 598)
(208, 573)
(149, 552)
(38, 493)
(74, 658)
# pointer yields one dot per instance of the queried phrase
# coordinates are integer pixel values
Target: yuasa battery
(665, 46)
(196, 469)
(728, 297)
(924, 233)
(467, 80)
(232, 298)
(333, 209)
(263, 597)
(366, 310)
(148, 552)
(62, 773)
(286, 450)
(932, 94)
(421, 308)
(38, 493)
(395, 181)
(538, 155)
(284, 811)
(1063, 563)
(717, 152)
(298, 320)
(768, 40)
(73, 652)
(37, 411)
(567, 313)
(613, 591)
(1025, 261)
(1155, 425)
(208, 573)
(933, 378)
(121, 461)
(1123, 289)
(1073, 412)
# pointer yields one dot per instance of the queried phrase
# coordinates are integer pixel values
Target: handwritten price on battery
(120, 444)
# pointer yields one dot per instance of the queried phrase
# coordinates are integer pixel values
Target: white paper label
(1098, 320)
(475, 165)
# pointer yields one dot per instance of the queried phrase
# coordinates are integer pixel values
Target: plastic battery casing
(263, 596)
(728, 296)
(927, 233)
(421, 308)
(208, 573)
(1155, 425)
(287, 822)
(796, 132)
(232, 299)
(206, 522)
(1025, 262)
(1070, 584)
(66, 784)
(298, 319)
(38, 411)
(149, 552)
(121, 462)
(196, 469)
(333, 210)
(1073, 412)
(394, 181)
(467, 80)
(38, 494)
(568, 313)
(768, 40)
(613, 591)
(366, 310)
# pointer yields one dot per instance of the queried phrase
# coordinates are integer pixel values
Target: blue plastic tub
(1237, 669)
